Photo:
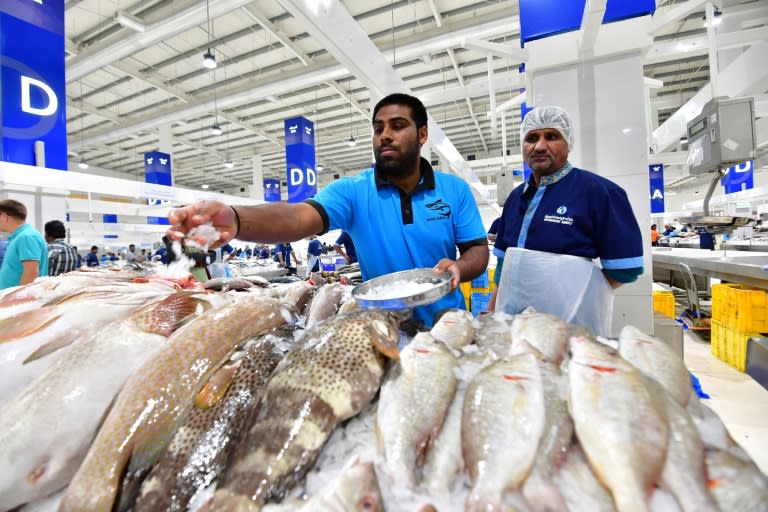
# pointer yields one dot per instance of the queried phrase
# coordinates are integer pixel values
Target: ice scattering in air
(181, 265)
(396, 290)
(206, 231)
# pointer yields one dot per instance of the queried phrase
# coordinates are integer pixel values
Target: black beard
(397, 167)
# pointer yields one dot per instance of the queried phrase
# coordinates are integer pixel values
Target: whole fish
(735, 483)
(355, 490)
(684, 473)
(46, 430)
(540, 490)
(31, 341)
(325, 303)
(579, 486)
(199, 449)
(654, 358)
(412, 405)
(502, 424)
(619, 422)
(493, 333)
(454, 329)
(333, 371)
(224, 284)
(546, 333)
(295, 294)
(711, 428)
(156, 397)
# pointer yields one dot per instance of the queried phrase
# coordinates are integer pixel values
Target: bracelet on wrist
(237, 221)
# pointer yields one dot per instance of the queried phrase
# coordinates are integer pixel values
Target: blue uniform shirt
(315, 247)
(394, 231)
(24, 244)
(573, 212)
(349, 246)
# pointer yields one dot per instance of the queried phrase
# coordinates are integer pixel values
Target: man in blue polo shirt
(26, 256)
(565, 210)
(422, 216)
(348, 252)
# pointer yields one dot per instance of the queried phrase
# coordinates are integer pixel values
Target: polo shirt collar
(550, 179)
(427, 181)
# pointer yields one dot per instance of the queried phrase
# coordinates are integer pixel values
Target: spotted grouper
(330, 375)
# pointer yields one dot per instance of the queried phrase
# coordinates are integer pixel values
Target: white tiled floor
(740, 402)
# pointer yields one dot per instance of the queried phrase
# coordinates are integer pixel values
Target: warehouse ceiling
(135, 68)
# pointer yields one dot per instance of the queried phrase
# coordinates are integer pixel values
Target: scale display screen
(697, 127)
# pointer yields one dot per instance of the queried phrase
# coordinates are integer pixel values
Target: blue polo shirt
(574, 212)
(24, 244)
(349, 246)
(394, 231)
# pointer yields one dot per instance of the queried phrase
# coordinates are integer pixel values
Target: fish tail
(26, 323)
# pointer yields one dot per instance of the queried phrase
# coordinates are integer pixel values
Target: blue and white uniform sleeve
(620, 243)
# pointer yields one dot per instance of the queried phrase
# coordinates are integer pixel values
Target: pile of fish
(140, 396)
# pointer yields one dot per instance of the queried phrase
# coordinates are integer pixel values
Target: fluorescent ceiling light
(204, 185)
(209, 60)
(216, 129)
(82, 165)
(320, 167)
(626, 130)
(129, 21)
(229, 164)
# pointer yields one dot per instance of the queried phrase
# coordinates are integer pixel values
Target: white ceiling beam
(676, 14)
(435, 12)
(467, 99)
(281, 37)
(695, 46)
(150, 78)
(653, 83)
(513, 102)
(349, 99)
(301, 79)
(471, 90)
(168, 25)
(746, 75)
(591, 20)
(498, 49)
(331, 25)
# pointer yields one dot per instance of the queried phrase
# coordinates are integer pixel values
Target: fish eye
(368, 503)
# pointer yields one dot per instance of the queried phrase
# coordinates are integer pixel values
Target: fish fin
(52, 346)
(167, 315)
(382, 339)
(217, 386)
(26, 323)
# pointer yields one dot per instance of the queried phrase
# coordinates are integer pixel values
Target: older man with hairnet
(566, 210)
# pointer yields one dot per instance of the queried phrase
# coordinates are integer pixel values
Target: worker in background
(494, 229)
(26, 256)
(130, 255)
(62, 257)
(286, 258)
(348, 251)
(314, 251)
(654, 235)
(92, 259)
(566, 210)
(401, 213)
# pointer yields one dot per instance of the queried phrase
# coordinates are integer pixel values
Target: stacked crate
(664, 302)
(477, 292)
(738, 313)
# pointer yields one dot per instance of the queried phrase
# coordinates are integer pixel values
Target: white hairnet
(548, 117)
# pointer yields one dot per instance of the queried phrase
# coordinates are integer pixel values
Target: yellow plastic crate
(466, 290)
(730, 345)
(740, 307)
(664, 303)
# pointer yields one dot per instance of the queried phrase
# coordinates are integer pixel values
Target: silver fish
(333, 371)
(493, 333)
(618, 421)
(199, 449)
(412, 405)
(326, 302)
(735, 483)
(546, 333)
(502, 424)
(355, 490)
(579, 486)
(454, 329)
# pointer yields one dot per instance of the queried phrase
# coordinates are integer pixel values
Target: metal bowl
(441, 287)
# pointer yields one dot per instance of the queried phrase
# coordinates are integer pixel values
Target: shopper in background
(284, 252)
(566, 210)
(62, 257)
(348, 252)
(314, 251)
(130, 255)
(92, 259)
(401, 214)
(494, 229)
(654, 236)
(142, 257)
(26, 256)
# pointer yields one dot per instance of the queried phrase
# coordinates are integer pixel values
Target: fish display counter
(733, 266)
(290, 397)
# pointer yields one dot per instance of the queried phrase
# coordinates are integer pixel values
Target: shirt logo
(444, 209)
(562, 210)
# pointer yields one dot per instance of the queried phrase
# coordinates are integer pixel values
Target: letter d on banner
(656, 178)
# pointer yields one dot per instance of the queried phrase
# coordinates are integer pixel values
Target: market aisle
(740, 402)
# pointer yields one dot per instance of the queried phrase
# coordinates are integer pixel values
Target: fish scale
(330, 375)
(199, 448)
(156, 396)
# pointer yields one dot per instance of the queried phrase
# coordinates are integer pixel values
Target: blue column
(157, 170)
(300, 159)
(272, 191)
(33, 92)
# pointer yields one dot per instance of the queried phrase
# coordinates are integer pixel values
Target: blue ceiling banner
(739, 177)
(300, 159)
(656, 178)
(544, 18)
(33, 92)
(157, 170)
(109, 218)
(272, 192)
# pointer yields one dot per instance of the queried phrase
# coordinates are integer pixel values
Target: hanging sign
(300, 159)
(656, 178)
(272, 191)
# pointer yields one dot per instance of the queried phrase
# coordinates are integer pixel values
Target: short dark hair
(13, 208)
(55, 228)
(94, 247)
(418, 111)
